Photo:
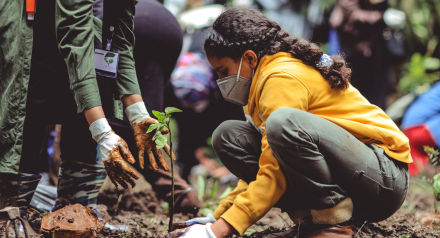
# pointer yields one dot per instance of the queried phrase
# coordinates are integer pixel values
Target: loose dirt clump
(176, 226)
(72, 221)
(34, 217)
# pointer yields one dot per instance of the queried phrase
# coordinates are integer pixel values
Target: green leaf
(111, 61)
(109, 54)
(433, 155)
(165, 120)
(214, 189)
(152, 127)
(205, 211)
(200, 186)
(431, 63)
(436, 186)
(170, 110)
(158, 115)
(225, 193)
(162, 127)
(161, 140)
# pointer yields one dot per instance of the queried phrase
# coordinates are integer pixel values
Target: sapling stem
(172, 181)
(164, 121)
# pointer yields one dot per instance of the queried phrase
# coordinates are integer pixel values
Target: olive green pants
(323, 163)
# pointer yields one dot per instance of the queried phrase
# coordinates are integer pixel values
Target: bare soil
(146, 216)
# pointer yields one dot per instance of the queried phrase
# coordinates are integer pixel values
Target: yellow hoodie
(283, 81)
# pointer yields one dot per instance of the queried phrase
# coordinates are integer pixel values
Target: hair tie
(324, 62)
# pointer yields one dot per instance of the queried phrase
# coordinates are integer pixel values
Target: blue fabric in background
(50, 145)
(425, 110)
(333, 42)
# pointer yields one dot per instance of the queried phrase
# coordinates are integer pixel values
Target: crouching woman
(313, 145)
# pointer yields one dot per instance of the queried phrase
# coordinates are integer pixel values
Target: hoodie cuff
(238, 218)
(221, 209)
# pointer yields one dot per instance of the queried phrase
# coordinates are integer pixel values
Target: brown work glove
(110, 147)
(140, 120)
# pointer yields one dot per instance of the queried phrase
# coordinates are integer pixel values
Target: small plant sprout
(163, 119)
(435, 161)
(207, 191)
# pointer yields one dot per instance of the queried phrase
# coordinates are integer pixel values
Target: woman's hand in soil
(196, 231)
(110, 148)
(140, 120)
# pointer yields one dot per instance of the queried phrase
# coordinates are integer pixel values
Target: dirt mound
(144, 202)
(72, 221)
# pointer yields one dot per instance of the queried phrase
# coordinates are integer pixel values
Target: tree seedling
(163, 119)
(435, 161)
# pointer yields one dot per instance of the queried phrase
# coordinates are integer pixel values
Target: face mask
(235, 88)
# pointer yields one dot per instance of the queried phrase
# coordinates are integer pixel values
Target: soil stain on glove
(72, 221)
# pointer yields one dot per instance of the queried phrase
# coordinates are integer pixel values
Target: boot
(333, 222)
(332, 231)
(301, 216)
(80, 183)
(16, 192)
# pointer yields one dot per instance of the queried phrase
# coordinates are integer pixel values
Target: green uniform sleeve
(75, 35)
(122, 14)
(16, 39)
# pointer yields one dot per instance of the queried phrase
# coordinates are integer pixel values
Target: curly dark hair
(240, 29)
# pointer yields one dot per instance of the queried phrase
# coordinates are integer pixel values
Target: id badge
(106, 62)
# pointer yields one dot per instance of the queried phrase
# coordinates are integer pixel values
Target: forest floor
(147, 216)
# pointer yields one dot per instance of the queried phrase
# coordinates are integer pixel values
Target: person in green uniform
(22, 65)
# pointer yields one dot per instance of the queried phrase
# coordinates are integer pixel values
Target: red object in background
(31, 8)
(418, 136)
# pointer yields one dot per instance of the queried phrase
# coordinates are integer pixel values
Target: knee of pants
(284, 118)
(222, 138)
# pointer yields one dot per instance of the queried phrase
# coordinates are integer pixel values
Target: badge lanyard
(107, 59)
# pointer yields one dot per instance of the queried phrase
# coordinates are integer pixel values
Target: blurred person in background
(289, 14)
(421, 124)
(360, 25)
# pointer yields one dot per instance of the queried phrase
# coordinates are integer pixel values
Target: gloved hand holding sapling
(146, 142)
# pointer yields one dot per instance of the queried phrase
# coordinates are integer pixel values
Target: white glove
(137, 112)
(196, 231)
(201, 220)
(110, 146)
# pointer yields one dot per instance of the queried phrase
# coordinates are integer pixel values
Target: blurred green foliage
(207, 190)
(419, 73)
(422, 32)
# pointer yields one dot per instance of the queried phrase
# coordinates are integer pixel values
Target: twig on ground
(357, 233)
(285, 221)
(117, 203)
